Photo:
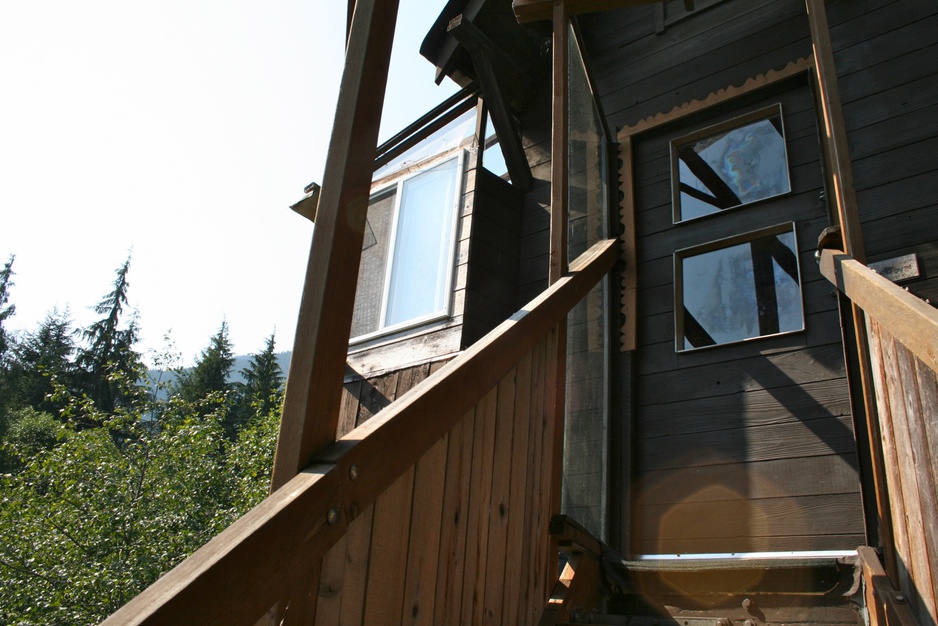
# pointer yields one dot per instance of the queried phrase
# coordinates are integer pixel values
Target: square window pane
(729, 165)
(737, 289)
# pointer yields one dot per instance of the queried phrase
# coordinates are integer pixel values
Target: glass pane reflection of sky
(750, 160)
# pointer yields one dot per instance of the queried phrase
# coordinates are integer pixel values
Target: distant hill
(241, 362)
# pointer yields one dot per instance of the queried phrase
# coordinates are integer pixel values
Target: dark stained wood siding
(363, 398)
(717, 429)
(886, 54)
(535, 223)
(492, 280)
(746, 447)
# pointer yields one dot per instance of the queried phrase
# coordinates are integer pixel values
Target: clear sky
(180, 130)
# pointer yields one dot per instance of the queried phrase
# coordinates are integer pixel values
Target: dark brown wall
(886, 53)
(492, 279)
(736, 448)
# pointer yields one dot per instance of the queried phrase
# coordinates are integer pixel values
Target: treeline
(109, 476)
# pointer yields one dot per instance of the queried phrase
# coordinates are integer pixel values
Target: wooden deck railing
(903, 338)
(434, 511)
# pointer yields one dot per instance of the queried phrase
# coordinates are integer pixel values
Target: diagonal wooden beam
(314, 388)
(509, 137)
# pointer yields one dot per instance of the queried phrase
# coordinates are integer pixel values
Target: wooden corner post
(314, 388)
(556, 386)
(840, 172)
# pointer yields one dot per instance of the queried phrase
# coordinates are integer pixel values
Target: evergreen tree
(110, 352)
(262, 390)
(263, 379)
(6, 275)
(211, 371)
(5, 312)
(39, 361)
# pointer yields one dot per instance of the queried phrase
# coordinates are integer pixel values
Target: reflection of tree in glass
(718, 292)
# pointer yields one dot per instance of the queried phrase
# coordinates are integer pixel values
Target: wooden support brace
(577, 589)
(314, 391)
(509, 137)
(886, 606)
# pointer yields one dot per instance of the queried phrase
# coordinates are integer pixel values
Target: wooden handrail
(252, 564)
(910, 320)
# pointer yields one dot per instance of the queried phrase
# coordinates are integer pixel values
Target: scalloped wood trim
(718, 97)
(628, 252)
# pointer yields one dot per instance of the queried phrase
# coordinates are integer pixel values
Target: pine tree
(5, 312)
(263, 379)
(211, 371)
(40, 358)
(110, 354)
(262, 389)
(6, 275)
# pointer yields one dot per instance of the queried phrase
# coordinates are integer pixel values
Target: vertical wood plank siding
(903, 339)
(462, 537)
(907, 400)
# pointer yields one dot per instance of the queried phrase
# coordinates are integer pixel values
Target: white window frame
(453, 225)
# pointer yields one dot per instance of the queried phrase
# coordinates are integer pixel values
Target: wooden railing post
(903, 337)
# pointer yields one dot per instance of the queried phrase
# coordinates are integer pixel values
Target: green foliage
(40, 361)
(262, 389)
(103, 485)
(211, 371)
(28, 433)
(6, 311)
(93, 520)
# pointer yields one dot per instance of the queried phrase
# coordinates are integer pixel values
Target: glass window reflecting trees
(586, 450)
(737, 289)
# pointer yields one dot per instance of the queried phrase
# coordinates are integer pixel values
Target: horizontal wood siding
(886, 55)
(716, 432)
(713, 427)
(639, 73)
(533, 260)
(492, 278)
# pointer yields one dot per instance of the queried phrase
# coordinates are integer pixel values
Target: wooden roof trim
(536, 10)
(759, 81)
(449, 46)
